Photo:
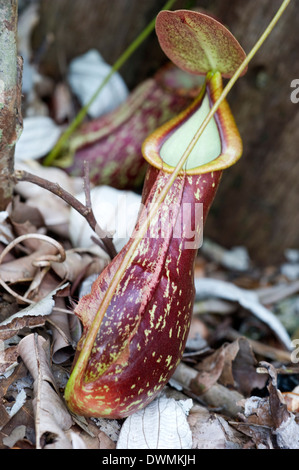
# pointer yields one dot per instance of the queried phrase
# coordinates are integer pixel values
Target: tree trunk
(257, 202)
(106, 25)
(10, 96)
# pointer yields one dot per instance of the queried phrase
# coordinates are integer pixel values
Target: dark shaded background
(257, 203)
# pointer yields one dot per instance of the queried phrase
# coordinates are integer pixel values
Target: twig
(217, 396)
(86, 212)
(274, 294)
(87, 185)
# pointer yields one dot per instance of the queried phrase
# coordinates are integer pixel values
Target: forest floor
(237, 386)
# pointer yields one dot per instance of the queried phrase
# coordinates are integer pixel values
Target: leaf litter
(237, 386)
(237, 371)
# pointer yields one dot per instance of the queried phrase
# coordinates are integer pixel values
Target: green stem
(117, 65)
(93, 330)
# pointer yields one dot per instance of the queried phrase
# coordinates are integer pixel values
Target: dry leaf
(85, 76)
(212, 431)
(93, 437)
(54, 210)
(291, 399)
(63, 343)
(217, 395)
(236, 259)
(31, 316)
(8, 357)
(206, 287)
(209, 371)
(51, 416)
(40, 133)
(161, 425)
(17, 434)
(6, 234)
(270, 412)
(239, 370)
(79, 261)
(116, 211)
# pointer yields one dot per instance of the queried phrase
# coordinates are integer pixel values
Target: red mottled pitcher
(136, 318)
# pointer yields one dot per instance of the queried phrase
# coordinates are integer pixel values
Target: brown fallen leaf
(24, 416)
(63, 344)
(232, 365)
(291, 400)
(18, 323)
(78, 261)
(239, 369)
(217, 396)
(32, 316)
(54, 210)
(209, 371)
(268, 420)
(25, 219)
(8, 357)
(212, 431)
(94, 438)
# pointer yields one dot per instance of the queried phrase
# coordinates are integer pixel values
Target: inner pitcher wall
(207, 148)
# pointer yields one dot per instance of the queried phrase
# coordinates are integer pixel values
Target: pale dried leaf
(86, 74)
(17, 434)
(236, 258)
(216, 396)
(8, 358)
(77, 441)
(63, 345)
(6, 234)
(51, 416)
(32, 315)
(239, 369)
(291, 399)
(206, 287)
(20, 400)
(109, 427)
(40, 133)
(92, 437)
(161, 425)
(116, 212)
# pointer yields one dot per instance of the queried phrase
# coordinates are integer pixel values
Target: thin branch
(86, 212)
(87, 185)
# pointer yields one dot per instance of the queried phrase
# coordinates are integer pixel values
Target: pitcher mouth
(219, 147)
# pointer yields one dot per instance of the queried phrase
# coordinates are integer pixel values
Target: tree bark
(10, 97)
(106, 25)
(257, 202)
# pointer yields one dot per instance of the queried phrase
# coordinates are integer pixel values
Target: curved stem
(117, 65)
